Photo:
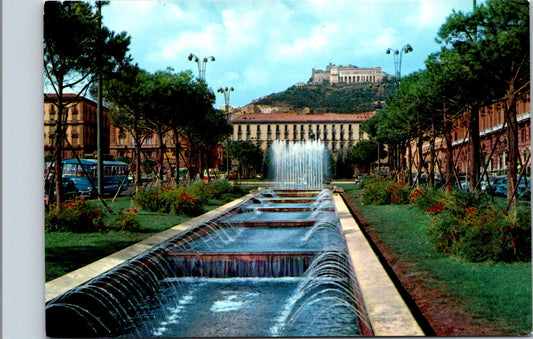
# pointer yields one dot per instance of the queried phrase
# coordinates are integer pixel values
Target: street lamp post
(398, 60)
(226, 91)
(201, 64)
(398, 74)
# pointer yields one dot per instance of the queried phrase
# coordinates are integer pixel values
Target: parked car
(499, 187)
(69, 190)
(462, 184)
(523, 188)
(83, 185)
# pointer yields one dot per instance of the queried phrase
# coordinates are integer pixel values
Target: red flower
(435, 208)
(416, 193)
(394, 199)
(471, 210)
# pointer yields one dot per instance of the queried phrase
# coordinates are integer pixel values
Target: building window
(121, 141)
(148, 142)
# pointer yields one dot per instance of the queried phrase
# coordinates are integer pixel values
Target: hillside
(337, 98)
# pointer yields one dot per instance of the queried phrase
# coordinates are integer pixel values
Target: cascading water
(275, 265)
(299, 165)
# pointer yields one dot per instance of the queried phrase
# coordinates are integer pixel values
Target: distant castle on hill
(347, 74)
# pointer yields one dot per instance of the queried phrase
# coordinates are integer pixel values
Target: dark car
(69, 189)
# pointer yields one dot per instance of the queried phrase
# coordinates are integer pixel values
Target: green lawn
(65, 252)
(499, 292)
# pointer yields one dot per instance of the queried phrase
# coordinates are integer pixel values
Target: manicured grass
(499, 292)
(65, 251)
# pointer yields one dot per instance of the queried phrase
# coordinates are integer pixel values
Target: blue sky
(266, 46)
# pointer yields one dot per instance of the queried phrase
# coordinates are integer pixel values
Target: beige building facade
(337, 131)
(348, 75)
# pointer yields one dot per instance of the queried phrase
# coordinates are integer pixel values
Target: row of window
(89, 114)
(299, 132)
(332, 145)
(355, 79)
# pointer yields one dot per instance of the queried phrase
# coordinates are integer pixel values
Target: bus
(115, 174)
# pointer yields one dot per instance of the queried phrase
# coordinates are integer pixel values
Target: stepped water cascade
(275, 265)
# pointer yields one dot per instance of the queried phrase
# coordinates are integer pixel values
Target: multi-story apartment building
(347, 75)
(81, 126)
(493, 139)
(337, 131)
(123, 144)
(81, 133)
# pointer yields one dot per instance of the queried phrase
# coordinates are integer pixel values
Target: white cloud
(202, 42)
(318, 40)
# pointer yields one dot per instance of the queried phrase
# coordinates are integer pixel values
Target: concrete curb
(387, 311)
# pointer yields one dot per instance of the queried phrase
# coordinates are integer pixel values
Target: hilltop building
(347, 75)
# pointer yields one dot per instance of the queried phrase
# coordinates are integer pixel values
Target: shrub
(465, 224)
(153, 200)
(184, 199)
(127, 221)
(221, 188)
(199, 190)
(77, 216)
(187, 204)
(424, 198)
(384, 192)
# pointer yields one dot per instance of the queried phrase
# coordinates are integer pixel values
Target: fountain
(300, 165)
(277, 264)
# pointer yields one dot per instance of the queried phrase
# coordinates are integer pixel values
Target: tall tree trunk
(161, 160)
(401, 162)
(474, 147)
(137, 164)
(137, 150)
(512, 144)
(447, 125)
(432, 157)
(420, 152)
(58, 175)
(410, 164)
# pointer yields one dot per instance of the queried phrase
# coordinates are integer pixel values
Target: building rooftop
(302, 118)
